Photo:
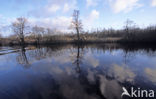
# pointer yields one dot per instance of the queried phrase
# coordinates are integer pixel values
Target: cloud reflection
(151, 74)
(110, 88)
(91, 60)
(121, 73)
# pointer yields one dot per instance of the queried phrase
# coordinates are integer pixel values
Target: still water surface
(75, 72)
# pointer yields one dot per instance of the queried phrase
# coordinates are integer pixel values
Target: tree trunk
(22, 42)
(78, 36)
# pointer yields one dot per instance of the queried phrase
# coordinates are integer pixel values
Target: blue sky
(94, 13)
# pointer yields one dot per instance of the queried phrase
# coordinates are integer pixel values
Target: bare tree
(0, 39)
(19, 28)
(128, 27)
(38, 33)
(0, 35)
(49, 33)
(76, 23)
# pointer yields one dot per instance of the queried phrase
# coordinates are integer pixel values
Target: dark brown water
(75, 72)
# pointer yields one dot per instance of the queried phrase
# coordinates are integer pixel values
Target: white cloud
(88, 21)
(5, 25)
(59, 20)
(53, 8)
(61, 23)
(153, 3)
(66, 7)
(124, 5)
(94, 15)
(92, 2)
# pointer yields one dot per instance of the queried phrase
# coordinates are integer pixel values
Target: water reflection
(110, 89)
(78, 59)
(75, 71)
(151, 74)
(121, 73)
(22, 58)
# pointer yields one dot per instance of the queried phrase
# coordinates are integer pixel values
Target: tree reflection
(127, 56)
(22, 58)
(56, 51)
(79, 58)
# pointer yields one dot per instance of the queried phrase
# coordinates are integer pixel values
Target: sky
(57, 14)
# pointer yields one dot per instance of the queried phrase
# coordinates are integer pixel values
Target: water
(75, 72)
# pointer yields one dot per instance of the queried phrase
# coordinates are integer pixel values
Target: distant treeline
(46, 36)
(36, 35)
